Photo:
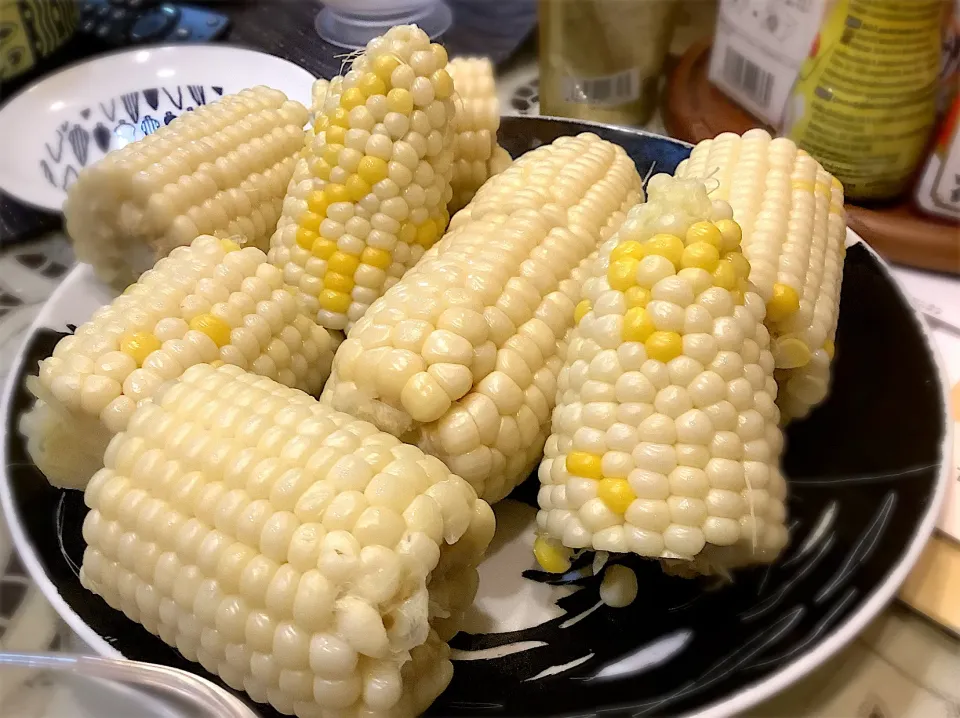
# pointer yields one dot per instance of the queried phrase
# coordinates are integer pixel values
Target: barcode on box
(618, 89)
(748, 77)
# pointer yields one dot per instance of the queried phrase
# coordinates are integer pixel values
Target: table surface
(902, 666)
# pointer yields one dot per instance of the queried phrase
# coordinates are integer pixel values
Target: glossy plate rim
(122, 54)
(750, 695)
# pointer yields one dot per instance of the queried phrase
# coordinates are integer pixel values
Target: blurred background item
(938, 191)
(354, 23)
(601, 60)
(31, 31)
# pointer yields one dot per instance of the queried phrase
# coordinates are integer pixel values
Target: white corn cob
(207, 302)
(298, 553)
(665, 437)
(461, 357)
(476, 154)
(794, 229)
(370, 193)
(221, 169)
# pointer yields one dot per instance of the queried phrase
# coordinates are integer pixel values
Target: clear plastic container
(353, 23)
(61, 685)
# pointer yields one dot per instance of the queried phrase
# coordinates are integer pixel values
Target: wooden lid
(695, 110)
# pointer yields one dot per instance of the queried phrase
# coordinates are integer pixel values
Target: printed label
(617, 89)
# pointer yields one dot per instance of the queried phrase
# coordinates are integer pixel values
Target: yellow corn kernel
(321, 123)
(213, 326)
(664, 346)
(724, 275)
(408, 233)
(442, 84)
(311, 221)
(343, 263)
(320, 169)
(229, 245)
(631, 249)
(139, 346)
(582, 463)
(331, 154)
(737, 295)
(335, 135)
(805, 186)
(581, 310)
(740, 264)
(352, 98)
(379, 258)
(130, 288)
(551, 555)
(318, 203)
(216, 363)
(384, 66)
(306, 238)
(372, 169)
(623, 274)
(666, 245)
(830, 348)
(427, 234)
(637, 297)
(338, 282)
(337, 193)
(439, 54)
(732, 234)
(616, 494)
(637, 325)
(784, 302)
(357, 188)
(370, 85)
(333, 301)
(399, 100)
(791, 353)
(704, 232)
(700, 255)
(340, 117)
(323, 248)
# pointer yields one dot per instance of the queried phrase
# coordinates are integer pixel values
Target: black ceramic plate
(866, 471)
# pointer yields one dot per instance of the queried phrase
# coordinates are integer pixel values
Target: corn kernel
(216, 363)
(384, 66)
(442, 84)
(637, 325)
(318, 202)
(616, 494)
(331, 154)
(666, 245)
(213, 326)
(333, 301)
(340, 117)
(399, 100)
(791, 353)
(130, 288)
(439, 54)
(139, 346)
(321, 123)
(408, 232)
(732, 234)
(830, 348)
(337, 193)
(737, 296)
(379, 258)
(338, 282)
(724, 275)
(704, 232)
(323, 248)
(664, 346)
(580, 310)
(371, 85)
(228, 246)
(551, 555)
(320, 169)
(623, 274)
(352, 98)
(335, 135)
(306, 238)
(637, 297)
(581, 463)
(311, 221)
(343, 263)
(631, 249)
(784, 302)
(372, 169)
(427, 234)
(700, 255)
(357, 188)
(805, 186)
(740, 264)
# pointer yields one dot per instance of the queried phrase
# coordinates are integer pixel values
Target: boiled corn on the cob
(207, 302)
(476, 154)
(370, 194)
(221, 169)
(794, 229)
(665, 437)
(296, 552)
(461, 357)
